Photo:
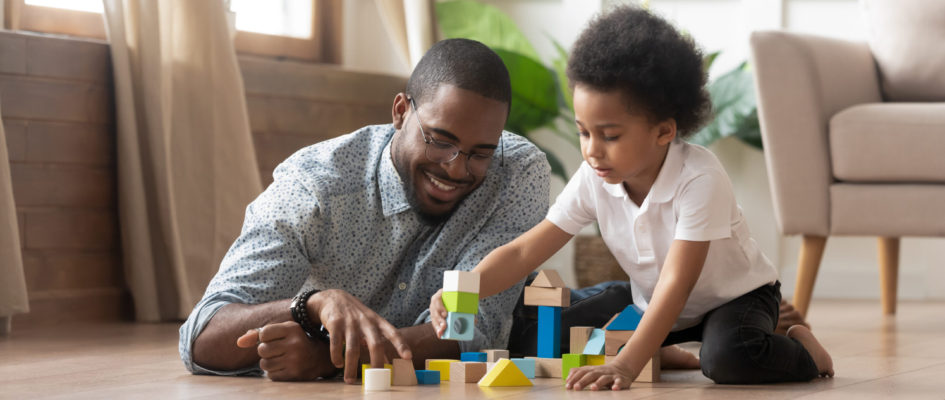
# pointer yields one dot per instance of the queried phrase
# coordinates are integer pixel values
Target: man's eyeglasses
(443, 152)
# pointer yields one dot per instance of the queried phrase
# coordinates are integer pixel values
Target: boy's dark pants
(738, 343)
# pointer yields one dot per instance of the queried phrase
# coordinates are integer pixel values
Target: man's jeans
(738, 341)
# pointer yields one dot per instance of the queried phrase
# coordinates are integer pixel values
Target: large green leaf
(534, 93)
(482, 22)
(734, 108)
(560, 65)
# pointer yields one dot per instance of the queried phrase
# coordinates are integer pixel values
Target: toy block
(403, 373)
(526, 365)
(459, 326)
(489, 366)
(494, 355)
(461, 302)
(548, 278)
(376, 379)
(627, 320)
(579, 336)
(467, 372)
(428, 377)
(615, 340)
(595, 359)
(505, 373)
(473, 357)
(547, 367)
(460, 281)
(569, 361)
(595, 343)
(549, 332)
(441, 365)
(365, 367)
(554, 297)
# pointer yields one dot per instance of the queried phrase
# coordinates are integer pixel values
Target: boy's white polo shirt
(691, 199)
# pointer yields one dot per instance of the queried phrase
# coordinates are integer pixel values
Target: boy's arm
(508, 264)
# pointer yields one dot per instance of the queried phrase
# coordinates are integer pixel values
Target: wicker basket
(593, 262)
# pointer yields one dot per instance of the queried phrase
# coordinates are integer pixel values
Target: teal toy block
(459, 326)
(527, 365)
(595, 343)
(628, 319)
(428, 377)
(569, 361)
(461, 302)
(473, 357)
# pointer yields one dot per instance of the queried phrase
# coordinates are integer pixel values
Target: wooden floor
(875, 358)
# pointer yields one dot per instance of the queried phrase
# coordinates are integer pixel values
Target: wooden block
(493, 355)
(615, 340)
(442, 365)
(526, 365)
(579, 336)
(459, 326)
(548, 278)
(611, 321)
(460, 281)
(554, 297)
(477, 356)
(569, 361)
(547, 367)
(376, 379)
(467, 372)
(595, 343)
(549, 332)
(593, 359)
(626, 320)
(461, 302)
(404, 373)
(505, 373)
(365, 367)
(428, 377)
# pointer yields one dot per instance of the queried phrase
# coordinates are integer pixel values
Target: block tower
(461, 298)
(549, 293)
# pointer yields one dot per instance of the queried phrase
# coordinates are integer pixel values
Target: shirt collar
(665, 185)
(391, 186)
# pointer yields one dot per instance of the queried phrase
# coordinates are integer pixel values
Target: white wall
(849, 268)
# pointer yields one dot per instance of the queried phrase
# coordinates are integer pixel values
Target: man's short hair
(464, 63)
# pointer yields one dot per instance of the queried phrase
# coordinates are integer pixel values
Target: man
(360, 229)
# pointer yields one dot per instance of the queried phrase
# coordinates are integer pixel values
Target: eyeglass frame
(431, 141)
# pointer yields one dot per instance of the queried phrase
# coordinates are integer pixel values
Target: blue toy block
(527, 365)
(628, 319)
(595, 343)
(459, 326)
(473, 357)
(549, 332)
(428, 377)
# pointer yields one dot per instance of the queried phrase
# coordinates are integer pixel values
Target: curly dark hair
(642, 55)
(464, 63)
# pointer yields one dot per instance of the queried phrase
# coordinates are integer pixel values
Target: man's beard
(426, 218)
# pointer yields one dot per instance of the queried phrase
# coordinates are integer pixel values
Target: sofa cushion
(906, 39)
(889, 142)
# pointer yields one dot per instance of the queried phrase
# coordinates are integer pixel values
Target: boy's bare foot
(817, 351)
(788, 316)
(675, 357)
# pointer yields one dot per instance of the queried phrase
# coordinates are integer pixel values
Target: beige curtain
(186, 163)
(12, 284)
(410, 25)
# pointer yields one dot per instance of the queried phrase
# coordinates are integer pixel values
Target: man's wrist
(300, 313)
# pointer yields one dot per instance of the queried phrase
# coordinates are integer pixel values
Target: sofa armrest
(801, 82)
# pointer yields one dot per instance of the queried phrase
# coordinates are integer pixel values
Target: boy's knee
(731, 360)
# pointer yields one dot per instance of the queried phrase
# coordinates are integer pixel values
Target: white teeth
(438, 183)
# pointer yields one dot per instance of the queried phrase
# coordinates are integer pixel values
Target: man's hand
(286, 354)
(608, 376)
(350, 323)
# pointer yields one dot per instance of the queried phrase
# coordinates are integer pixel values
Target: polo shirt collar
(665, 185)
(391, 186)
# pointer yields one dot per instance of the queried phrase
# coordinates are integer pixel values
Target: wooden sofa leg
(888, 272)
(812, 251)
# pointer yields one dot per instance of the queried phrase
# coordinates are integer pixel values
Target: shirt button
(402, 286)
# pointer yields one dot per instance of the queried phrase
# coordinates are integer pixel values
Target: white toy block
(460, 281)
(376, 379)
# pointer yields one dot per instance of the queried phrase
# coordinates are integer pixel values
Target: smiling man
(338, 258)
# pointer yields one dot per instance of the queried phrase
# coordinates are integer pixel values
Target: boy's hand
(438, 313)
(597, 377)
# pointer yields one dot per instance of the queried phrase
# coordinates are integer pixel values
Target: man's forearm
(215, 347)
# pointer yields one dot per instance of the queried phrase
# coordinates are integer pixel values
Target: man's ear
(399, 110)
(666, 132)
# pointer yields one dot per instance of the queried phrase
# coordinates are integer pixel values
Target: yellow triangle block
(504, 373)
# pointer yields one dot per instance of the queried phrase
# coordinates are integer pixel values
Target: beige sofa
(854, 134)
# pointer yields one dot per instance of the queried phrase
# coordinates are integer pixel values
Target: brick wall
(58, 114)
